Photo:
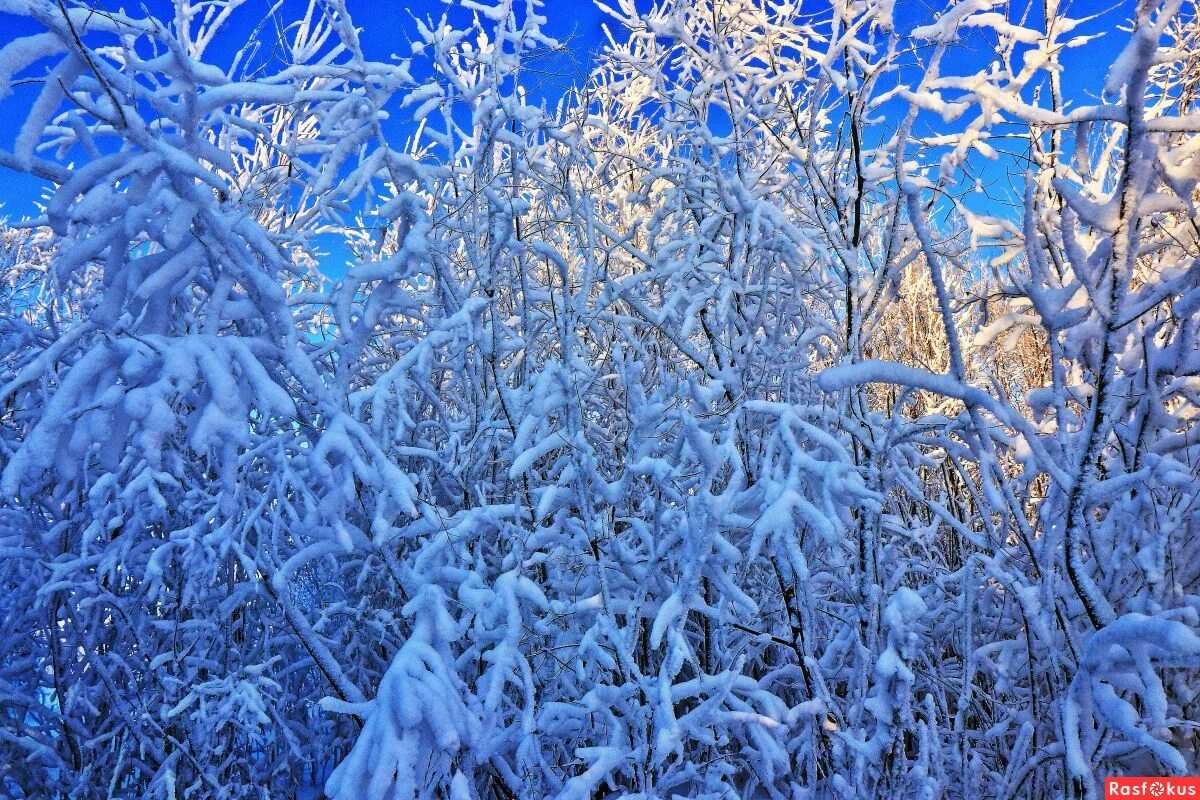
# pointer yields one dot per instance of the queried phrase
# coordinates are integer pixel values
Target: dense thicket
(805, 406)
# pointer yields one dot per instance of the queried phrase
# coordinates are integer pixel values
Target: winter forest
(802, 402)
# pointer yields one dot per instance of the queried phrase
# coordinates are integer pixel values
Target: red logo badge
(1151, 788)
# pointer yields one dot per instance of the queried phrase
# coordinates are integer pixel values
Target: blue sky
(387, 27)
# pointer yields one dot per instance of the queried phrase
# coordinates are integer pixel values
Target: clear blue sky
(387, 26)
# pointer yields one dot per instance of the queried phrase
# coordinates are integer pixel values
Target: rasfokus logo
(1151, 787)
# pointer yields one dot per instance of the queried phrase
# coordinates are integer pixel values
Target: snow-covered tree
(801, 405)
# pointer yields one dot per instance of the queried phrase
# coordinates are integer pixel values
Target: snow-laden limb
(420, 720)
(1119, 686)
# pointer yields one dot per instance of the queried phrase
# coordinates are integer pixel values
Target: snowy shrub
(715, 432)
